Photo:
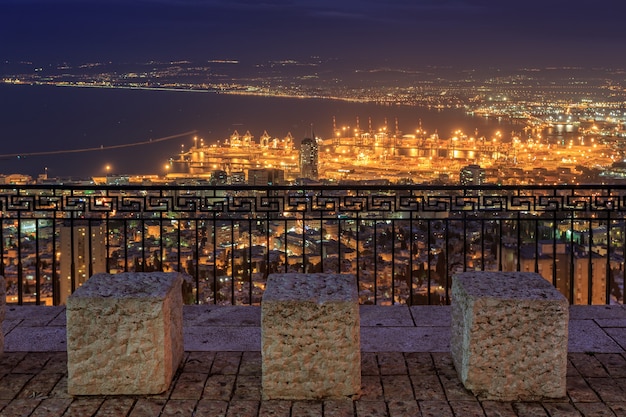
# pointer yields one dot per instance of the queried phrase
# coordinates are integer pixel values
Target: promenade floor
(406, 369)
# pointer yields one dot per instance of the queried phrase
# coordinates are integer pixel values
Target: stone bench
(124, 334)
(3, 301)
(310, 337)
(509, 335)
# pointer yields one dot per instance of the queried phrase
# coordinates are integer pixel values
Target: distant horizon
(463, 33)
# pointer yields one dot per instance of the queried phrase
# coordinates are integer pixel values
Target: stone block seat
(509, 335)
(124, 334)
(310, 340)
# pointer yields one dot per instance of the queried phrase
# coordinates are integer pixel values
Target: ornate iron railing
(402, 242)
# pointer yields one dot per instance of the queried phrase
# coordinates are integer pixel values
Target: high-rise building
(266, 176)
(472, 175)
(83, 251)
(308, 159)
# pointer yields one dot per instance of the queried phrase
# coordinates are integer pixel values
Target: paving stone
(189, 386)
(371, 389)
(529, 410)
(371, 409)
(405, 339)
(243, 409)
(199, 362)
(34, 316)
(179, 408)
(444, 364)
(498, 409)
(307, 409)
(12, 384)
(619, 408)
(614, 363)
(403, 409)
(397, 387)
(247, 387)
(115, 406)
(435, 409)
(595, 410)
(419, 363)
(571, 369)
(454, 389)
(51, 407)
(338, 408)
(606, 323)
(197, 314)
(587, 336)
(40, 385)
(579, 391)
(222, 339)
(578, 312)
(395, 316)
(9, 325)
(467, 408)
(33, 363)
(147, 407)
(561, 409)
(369, 364)
(620, 382)
(619, 335)
(9, 360)
(248, 316)
(428, 388)
(60, 389)
(392, 363)
(219, 387)
(83, 406)
(57, 364)
(607, 389)
(36, 339)
(431, 316)
(588, 365)
(250, 364)
(211, 408)
(275, 408)
(226, 363)
(20, 407)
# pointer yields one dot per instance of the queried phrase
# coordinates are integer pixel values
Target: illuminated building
(472, 175)
(266, 176)
(78, 240)
(309, 159)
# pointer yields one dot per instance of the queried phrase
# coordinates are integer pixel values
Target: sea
(84, 131)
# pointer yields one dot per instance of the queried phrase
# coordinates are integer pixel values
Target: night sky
(471, 33)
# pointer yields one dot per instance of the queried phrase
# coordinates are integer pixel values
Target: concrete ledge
(310, 339)
(509, 335)
(124, 334)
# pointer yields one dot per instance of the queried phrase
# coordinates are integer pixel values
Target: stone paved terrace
(406, 369)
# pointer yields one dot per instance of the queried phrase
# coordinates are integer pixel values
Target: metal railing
(403, 243)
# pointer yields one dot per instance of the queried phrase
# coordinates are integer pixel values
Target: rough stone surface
(310, 341)
(3, 302)
(509, 335)
(124, 334)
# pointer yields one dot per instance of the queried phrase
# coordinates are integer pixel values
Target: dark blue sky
(414, 32)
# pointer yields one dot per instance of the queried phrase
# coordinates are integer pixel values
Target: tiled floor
(406, 369)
